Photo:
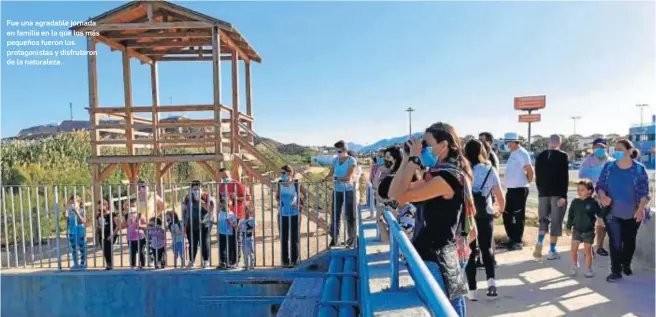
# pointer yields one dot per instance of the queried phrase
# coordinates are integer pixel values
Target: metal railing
(35, 233)
(436, 301)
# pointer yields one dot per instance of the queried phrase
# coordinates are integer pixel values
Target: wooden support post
(158, 179)
(93, 119)
(106, 172)
(127, 91)
(234, 129)
(249, 96)
(216, 85)
(209, 169)
(155, 95)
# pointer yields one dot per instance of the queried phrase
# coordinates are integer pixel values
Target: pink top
(133, 233)
(158, 237)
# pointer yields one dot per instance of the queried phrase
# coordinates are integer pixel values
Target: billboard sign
(530, 102)
(530, 117)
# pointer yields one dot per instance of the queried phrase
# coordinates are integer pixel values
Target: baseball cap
(600, 141)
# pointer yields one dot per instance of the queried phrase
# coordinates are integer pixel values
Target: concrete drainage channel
(324, 287)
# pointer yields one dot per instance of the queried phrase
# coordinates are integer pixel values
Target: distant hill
(387, 142)
(354, 146)
(286, 149)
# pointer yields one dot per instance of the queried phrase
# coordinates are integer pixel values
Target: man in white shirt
(519, 174)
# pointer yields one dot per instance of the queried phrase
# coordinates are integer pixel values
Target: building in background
(643, 137)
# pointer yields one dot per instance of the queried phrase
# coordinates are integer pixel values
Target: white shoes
(553, 256)
(206, 264)
(589, 274)
(190, 265)
(574, 270)
(537, 253)
(471, 295)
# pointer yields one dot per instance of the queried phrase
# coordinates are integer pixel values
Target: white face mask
(72, 206)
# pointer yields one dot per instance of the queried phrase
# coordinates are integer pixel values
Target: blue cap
(601, 141)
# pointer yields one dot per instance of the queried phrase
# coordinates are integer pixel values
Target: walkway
(526, 287)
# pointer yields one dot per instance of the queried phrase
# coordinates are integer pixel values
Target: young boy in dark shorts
(582, 215)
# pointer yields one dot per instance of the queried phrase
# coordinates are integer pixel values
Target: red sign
(530, 102)
(530, 117)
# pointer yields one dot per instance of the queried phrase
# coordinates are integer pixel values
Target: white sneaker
(589, 274)
(537, 253)
(471, 295)
(206, 264)
(190, 265)
(553, 256)
(574, 270)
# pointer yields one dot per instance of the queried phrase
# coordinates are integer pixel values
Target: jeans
(485, 226)
(77, 242)
(459, 302)
(622, 241)
(515, 215)
(199, 237)
(248, 249)
(289, 239)
(346, 200)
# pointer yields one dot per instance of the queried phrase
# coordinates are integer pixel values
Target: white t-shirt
(515, 174)
(480, 172)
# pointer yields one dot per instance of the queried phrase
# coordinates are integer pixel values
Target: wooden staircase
(268, 172)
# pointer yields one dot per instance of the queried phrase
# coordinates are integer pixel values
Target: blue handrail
(363, 272)
(434, 298)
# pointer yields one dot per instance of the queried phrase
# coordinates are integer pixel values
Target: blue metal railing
(365, 306)
(434, 298)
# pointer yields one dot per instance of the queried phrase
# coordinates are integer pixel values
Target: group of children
(153, 235)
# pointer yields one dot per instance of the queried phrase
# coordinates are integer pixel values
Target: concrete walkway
(526, 287)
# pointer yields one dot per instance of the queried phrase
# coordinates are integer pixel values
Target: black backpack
(480, 200)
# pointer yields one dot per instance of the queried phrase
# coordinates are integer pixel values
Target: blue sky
(346, 70)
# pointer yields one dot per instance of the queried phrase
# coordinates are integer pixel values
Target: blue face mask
(284, 177)
(618, 155)
(428, 158)
(226, 180)
(600, 152)
(380, 161)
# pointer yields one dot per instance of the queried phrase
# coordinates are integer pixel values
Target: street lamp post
(410, 110)
(574, 119)
(642, 108)
(70, 106)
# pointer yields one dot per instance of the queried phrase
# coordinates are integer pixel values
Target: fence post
(57, 229)
(394, 262)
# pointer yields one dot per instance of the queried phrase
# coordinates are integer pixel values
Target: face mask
(226, 180)
(600, 152)
(388, 164)
(428, 158)
(72, 206)
(380, 161)
(284, 177)
(340, 154)
(196, 193)
(618, 155)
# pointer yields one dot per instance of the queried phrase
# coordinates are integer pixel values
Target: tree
(596, 136)
(468, 138)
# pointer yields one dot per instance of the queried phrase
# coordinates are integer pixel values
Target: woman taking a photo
(445, 194)
(486, 183)
(623, 187)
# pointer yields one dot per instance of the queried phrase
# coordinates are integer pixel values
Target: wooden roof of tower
(159, 30)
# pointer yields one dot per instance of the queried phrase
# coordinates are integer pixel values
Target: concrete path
(526, 287)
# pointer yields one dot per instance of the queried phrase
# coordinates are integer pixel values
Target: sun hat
(511, 136)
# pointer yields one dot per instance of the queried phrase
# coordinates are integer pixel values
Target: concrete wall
(645, 245)
(117, 294)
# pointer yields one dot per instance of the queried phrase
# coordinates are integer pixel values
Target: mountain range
(380, 144)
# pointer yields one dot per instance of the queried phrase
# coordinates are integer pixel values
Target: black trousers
(290, 239)
(515, 216)
(159, 256)
(227, 249)
(195, 238)
(485, 226)
(107, 247)
(344, 199)
(622, 241)
(137, 246)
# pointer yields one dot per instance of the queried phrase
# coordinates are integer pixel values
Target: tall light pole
(409, 111)
(574, 119)
(70, 107)
(642, 108)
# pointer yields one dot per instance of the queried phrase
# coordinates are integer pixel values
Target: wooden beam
(190, 58)
(106, 172)
(216, 87)
(145, 26)
(127, 169)
(94, 136)
(136, 169)
(121, 116)
(193, 52)
(207, 167)
(127, 92)
(154, 87)
(126, 159)
(167, 43)
(149, 12)
(161, 35)
(235, 103)
(225, 36)
(166, 167)
(132, 53)
(157, 108)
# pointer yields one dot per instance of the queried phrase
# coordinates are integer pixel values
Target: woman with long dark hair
(445, 194)
(623, 187)
(486, 183)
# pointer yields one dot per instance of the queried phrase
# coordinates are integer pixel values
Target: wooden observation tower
(154, 32)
